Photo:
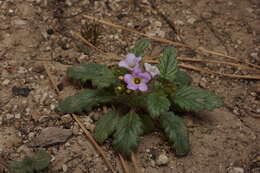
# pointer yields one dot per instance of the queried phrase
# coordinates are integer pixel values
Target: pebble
(206, 15)
(51, 136)
(52, 107)
(6, 82)
(162, 160)
(254, 55)
(237, 170)
(191, 20)
(9, 116)
(19, 22)
(179, 22)
(17, 116)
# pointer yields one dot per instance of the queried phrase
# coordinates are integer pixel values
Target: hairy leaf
(148, 124)
(106, 126)
(140, 47)
(157, 103)
(176, 132)
(192, 98)
(126, 137)
(39, 162)
(83, 101)
(168, 64)
(99, 74)
(182, 78)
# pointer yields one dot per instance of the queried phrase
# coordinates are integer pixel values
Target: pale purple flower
(153, 70)
(137, 80)
(130, 62)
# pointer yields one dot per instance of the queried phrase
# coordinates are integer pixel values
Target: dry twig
(93, 142)
(124, 166)
(134, 163)
(167, 41)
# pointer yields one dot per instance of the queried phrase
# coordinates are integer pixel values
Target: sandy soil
(37, 31)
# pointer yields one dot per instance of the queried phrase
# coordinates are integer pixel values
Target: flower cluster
(138, 78)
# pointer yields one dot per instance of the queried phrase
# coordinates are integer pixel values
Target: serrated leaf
(140, 47)
(106, 126)
(168, 64)
(157, 103)
(83, 100)
(182, 78)
(192, 98)
(148, 124)
(176, 132)
(126, 137)
(39, 162)
(99, 74)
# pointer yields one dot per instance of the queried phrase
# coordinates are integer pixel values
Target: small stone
(68, 3)
(157, 24)
(17, 116)
(237, 170)
(162, 160)
(9, 116)
(51, 136)
(254, 55)
(52, 107)
(206, 15)
(250, 10)
(179, 22)
(50, 31)
(191, 20)
(203, 82)
(19, 22)
(20, 91)
(6, 82)
(31, 135)
(152, 163)
(64, 168)
(66, 118)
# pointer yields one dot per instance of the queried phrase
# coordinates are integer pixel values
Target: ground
(37, 31)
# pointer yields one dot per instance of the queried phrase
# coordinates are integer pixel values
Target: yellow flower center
(137, 80)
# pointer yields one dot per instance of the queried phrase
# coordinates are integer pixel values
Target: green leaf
(99, 74)
(182, 78)
(157, 103)
(148, 124)
(168, 64)
(37, 163)
(106, 126)
(140, 48)
(83, 100)
(176, 132)
(41, 160)
(192, 98)
(126, 137)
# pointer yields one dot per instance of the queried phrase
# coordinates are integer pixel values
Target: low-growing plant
(34, 164)
(143, 97)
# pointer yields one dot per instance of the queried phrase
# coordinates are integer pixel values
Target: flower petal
(123, 63)
(128, 78)
(146, 76)
(132, 86)
(142, 87)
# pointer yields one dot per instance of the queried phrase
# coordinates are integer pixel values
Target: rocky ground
(37, 31)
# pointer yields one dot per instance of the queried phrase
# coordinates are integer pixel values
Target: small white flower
(153, 70)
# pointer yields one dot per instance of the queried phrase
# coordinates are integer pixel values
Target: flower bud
(121, 77)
